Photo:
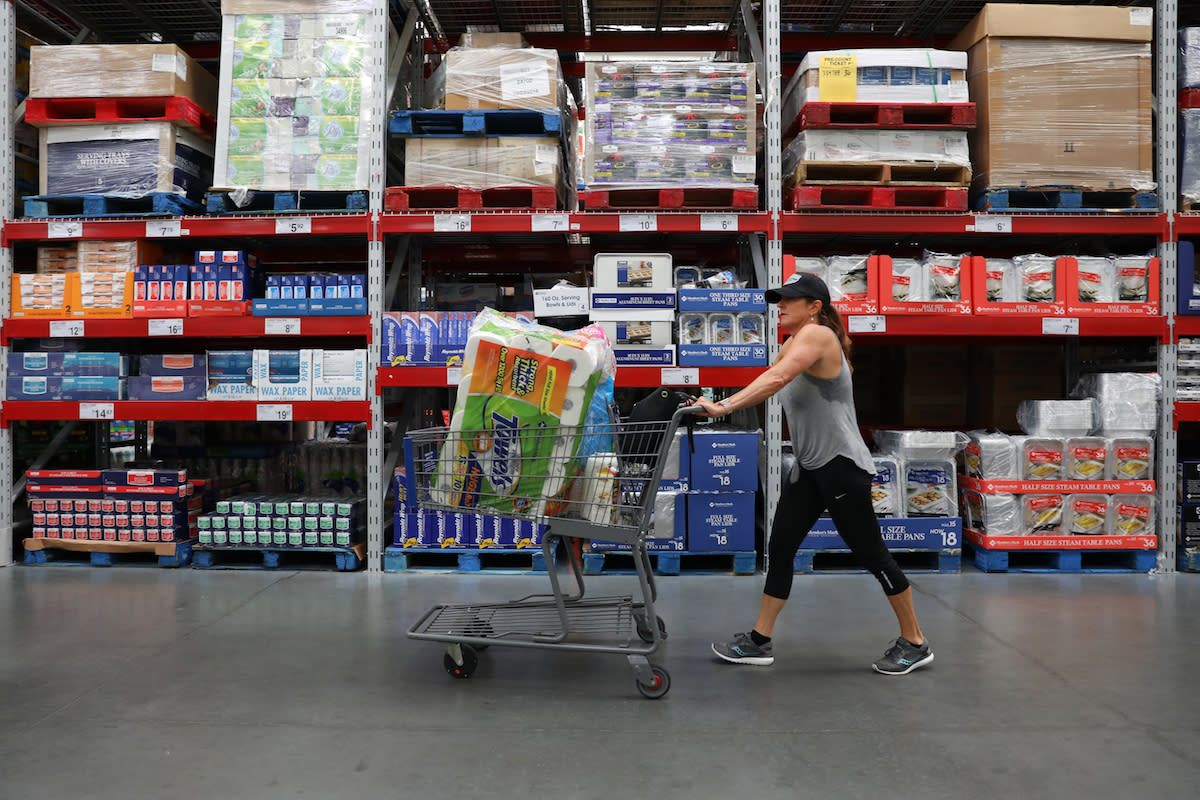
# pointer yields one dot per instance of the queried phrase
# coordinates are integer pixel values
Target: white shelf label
(680, 376)
(163, 228)
(550, 223)
(66, 329)
(451, 223)
(993, 224)
(725, 223)
(1060, 326)
(560, 302)
(867, 323)
(638, 223)
(282, 326)
(274, 412)
(64, 230)
(96, 411)
(165, 327)
(293, 225)
(453, 376)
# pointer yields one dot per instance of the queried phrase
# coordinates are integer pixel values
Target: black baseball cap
(800, 284)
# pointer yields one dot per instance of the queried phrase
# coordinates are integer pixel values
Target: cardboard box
(167, 387)
(481, 41)
(1064, 96)
(483, 162)
(645, 355)
(498, 78)
(632, 271)
(725, 461)
(722, 300)
(91, 295)
(676, 542)
(339, 374)
(34, 387)
(632, 299)
(231, 375)
(719, 522)
(283, 374)
(722, 355)
(87, 389)
(119, 70)
(637, 331)
(919, 533)
(182, 365)
(44, 296)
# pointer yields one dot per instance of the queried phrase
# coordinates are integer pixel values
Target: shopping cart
(579, 482)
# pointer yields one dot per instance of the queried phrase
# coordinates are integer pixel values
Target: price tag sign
(838, 79)
(274, 412)
(560, 302)
(1060, 326)
(550, 223)
(638, 223)
(64, 230)
(724, 223)
(451, 223)
(163, 228)
(165, 327)
(293, 225)
(680, 376)
(66, 329)
(96, 411)
(282, 326)
(993, 224)
(453, 376)
(868, 323)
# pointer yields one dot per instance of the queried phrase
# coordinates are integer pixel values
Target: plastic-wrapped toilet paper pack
(522, 383)
(991, 456)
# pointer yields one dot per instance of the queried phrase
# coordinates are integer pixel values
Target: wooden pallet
(838, 560)
(457, 198)
(107, 554)
(894, 173)
(342, 559)
(668, 198)
(1063, 198)
(218, 201)
(882, 198)
(155, 204)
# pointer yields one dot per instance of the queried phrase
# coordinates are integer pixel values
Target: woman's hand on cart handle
(710, 409)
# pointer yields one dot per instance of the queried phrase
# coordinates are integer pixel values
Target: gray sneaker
(903, 657)
(743, 650)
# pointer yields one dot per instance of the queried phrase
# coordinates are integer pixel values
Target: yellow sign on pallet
(838, 79)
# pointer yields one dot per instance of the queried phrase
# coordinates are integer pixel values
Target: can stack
(879, 129)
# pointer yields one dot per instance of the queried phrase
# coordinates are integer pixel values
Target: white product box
(339, 374)
(283, 374)
(633, 271)
(636, 328)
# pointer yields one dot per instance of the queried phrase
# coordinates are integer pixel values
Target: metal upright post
(1166, 134)
(773, 167)
(8, 51)
(379, 23)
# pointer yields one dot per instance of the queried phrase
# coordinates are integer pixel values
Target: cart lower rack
(580, 482)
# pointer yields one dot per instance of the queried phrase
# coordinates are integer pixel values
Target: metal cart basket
(579, 482)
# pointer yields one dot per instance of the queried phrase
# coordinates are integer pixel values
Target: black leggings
(845, 489)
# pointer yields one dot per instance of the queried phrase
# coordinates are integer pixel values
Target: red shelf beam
(626, 376)
(1187, 411)
(1045, 224)
(981, 325)
(1187, 224)
(236, 411)
(578, 222)
(323, 224)
(200, 327)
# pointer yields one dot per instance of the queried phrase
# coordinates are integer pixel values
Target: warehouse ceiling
(188, 21)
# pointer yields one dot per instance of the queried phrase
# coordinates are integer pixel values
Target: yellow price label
(837, 82)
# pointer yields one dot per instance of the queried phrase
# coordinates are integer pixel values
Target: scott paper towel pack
(514, 442)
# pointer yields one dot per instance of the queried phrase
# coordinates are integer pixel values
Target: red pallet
(675, 198)
(916, 116)
(1189, 98)
(897, 198)
(446, 198)
(82, 110)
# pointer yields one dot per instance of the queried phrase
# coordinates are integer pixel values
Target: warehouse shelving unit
(765, 31)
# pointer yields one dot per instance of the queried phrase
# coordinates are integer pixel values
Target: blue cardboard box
(615, 299)
(720, 521)
(337, 306)
(677, 542)
(722, 355)
(645, 355)
(62, 364)
(87, 389)
(279, 307)
(404, 532)
(187, 365)
(724, 461)
(1189, 289)
(167, 387)
(34, 387)
(916, 533)
(495, 533)
(722, 300)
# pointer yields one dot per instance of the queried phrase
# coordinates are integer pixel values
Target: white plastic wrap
(994, 514)
(296, 92)
(885, 487)
(943, 277)
(1131, 458)
(1127, 401)
(920, 445)
(991, 456)
(815, 265)
(1189, 155)
(1133, 514)
(907, 276)
(1041, 458)
(664, 514)
(1056, 417)
(1087, 458)
(1132, 278)
(847, 278)
(930, 488)
(869, 145)
(1037, 276)
(503, 78)
(1189, 58)
(1042, 514)
(1003, 281)
(1087, 514)
(1097, 280)
(677, 124)
(484, 162)
(119, 70)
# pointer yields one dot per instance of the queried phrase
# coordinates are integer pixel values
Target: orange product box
(888, 281)
(980, 277)
(1142, 279)
(864, 303)
(43, 296)
(101, 295)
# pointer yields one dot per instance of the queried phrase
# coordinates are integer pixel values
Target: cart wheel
(470, 662)
(643, 630)
(659, 686)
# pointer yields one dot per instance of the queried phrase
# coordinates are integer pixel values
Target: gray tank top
(821, 416)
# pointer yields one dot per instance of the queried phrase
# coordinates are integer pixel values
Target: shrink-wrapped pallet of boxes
(1065, 98)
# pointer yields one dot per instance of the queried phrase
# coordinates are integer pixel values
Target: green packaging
(222, 506)
(341, 97)
(252, 58)
(249, 536)
(337, 172)
(257, 26)
(342, 58)
(339, 135)
(249, 98)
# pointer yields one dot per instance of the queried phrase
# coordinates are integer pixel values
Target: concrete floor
(131, 683)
